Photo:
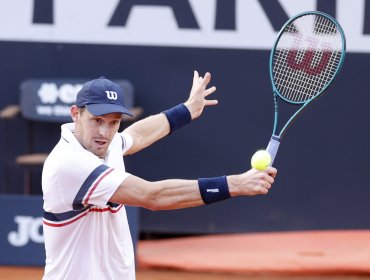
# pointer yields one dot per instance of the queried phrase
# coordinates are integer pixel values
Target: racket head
(306, 57)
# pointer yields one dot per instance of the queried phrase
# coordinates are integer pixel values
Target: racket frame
(274, 143)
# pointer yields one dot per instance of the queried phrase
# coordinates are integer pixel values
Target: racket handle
(273, 147)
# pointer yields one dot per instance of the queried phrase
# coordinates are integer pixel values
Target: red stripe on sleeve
(96, 185)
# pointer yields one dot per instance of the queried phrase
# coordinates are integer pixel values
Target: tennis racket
(308, 54)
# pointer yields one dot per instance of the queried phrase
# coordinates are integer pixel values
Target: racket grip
(273, 147)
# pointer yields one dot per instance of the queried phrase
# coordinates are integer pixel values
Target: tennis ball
(261, 160)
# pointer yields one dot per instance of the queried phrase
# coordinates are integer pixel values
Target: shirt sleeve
(101, 185)
(127, 142)
(87, 181)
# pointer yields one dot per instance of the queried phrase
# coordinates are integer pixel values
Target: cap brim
(103, 109)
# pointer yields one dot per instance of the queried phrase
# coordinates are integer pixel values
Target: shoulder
(126, 141)
(67, 160)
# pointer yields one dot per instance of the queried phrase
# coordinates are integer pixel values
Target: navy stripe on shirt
(58, 217)
(77, 202)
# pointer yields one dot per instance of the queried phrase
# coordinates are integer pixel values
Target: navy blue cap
(102, 96)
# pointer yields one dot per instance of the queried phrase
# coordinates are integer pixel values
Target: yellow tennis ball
(261, 160)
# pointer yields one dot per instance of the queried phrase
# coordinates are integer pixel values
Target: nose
(104, 130)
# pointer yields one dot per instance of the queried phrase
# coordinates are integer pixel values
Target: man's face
(95, 133)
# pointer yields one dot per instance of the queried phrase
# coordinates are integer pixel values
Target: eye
(116, 122)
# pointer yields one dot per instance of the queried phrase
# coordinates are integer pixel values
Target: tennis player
(85, 185)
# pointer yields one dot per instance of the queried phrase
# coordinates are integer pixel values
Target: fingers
(265, 179)
(210, 102)
(199, 92)
(265, 184)
(209, 91)
(262, 190)
(202, 81)
(195, 77)
(272, 171)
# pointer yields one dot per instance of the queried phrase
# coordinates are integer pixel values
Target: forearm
(153, 128)
(175, 194)
(159, 195)
(147, 131)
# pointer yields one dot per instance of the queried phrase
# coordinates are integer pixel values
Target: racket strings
(306, 57)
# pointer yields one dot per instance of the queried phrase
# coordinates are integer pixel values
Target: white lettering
(34, 231)
(49, 93)
(28, 229)
(67, 93)
(111, 95)
(44, 110)
(213, 190)
(61, 110)
(56, 110)
(158, 25)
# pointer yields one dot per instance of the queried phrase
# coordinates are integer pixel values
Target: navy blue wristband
(178, 116)
(213, 189)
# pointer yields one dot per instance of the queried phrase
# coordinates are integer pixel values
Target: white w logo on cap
(111, 95)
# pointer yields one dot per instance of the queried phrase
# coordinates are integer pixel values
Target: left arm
(149, 130)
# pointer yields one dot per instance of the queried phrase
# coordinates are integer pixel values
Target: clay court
(18, 273)
(322, 255)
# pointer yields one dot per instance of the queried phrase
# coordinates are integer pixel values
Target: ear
(75, 113)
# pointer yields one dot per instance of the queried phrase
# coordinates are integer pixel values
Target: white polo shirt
(85, 236)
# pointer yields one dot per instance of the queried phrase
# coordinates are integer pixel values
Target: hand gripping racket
(307, 56)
